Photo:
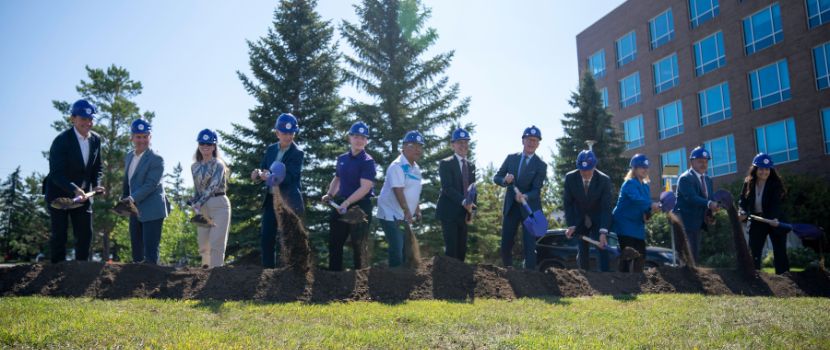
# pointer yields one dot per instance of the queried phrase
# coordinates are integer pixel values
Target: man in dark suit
(526, 172)
(456, 173)
(695, 197)
(587, 201)
(287, 152)
(143, 171)
(74, 169)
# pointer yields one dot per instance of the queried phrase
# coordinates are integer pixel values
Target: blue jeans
(394, 235)
(509, 228)
(145, 238)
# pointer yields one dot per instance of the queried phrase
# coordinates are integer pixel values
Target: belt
(217, 194)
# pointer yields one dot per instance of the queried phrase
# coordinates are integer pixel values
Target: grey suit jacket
(145, 186)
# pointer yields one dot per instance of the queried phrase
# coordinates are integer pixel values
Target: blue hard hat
(532, 131)
(359, 128)
(140, 126)
(460, 134)
(639, 160)
(413, 136)
(700, 152)
(84, 109)
(586, 160)
(207, 136)
(287, 122)
(763, 160)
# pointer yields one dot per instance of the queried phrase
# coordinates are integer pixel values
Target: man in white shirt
(399, 197)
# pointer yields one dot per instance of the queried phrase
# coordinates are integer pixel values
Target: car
(554, 249)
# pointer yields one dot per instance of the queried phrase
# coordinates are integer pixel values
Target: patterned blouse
(209, 178)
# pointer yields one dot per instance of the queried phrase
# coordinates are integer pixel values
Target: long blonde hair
(630, 175)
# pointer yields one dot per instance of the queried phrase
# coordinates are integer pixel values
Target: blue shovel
(535, 222)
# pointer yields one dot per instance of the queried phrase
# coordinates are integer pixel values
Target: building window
(596, 64)
(630, 90)
(604, 95)
(825, 121)
(769, 85)
(723, 156)
(762, 29)
(818, 12)
(626, 48)
(701, 11)
(675, 157)
(709, 54)
(670, 119)
(634, 135)
(714, 104)
(665, 74)
(662, 29)
(821, 60)
(778, 140)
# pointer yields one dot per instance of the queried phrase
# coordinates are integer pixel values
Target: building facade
(740, 77)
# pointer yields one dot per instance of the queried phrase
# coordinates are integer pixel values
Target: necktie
(586, 184)
(703, 186)
(522, 165)
(465, 176)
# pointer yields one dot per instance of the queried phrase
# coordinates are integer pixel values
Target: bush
(799, 257)
(721, 260)
(716, 243)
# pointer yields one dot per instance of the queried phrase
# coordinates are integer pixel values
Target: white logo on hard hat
(584, 164)
(205, 137)
(705, 154)
(140, 126)
(418, 138)
(645, 162)
(463, 135)
(532, 131)
(766, 161)
(89, 111)
(288, 125)
(361, 130)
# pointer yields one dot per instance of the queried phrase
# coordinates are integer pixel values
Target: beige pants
(212, 240)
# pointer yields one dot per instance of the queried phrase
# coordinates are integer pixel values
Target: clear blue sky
(515, 59)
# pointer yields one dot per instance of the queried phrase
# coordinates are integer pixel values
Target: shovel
(354, 215)
(535, 222)
(66, 203)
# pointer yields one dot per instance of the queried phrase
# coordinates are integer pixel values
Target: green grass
(646, 321)
(771, 270)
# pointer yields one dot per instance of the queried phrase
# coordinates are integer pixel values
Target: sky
(516, 60)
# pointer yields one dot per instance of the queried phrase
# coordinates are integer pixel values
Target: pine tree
(590, 121)
(293, 70)
(112, 91)
(175, 187)
(408, 91)
(24, 225)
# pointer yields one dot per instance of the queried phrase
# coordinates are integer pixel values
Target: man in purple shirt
(352, 185)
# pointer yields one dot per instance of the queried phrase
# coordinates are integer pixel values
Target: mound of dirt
(438, 278)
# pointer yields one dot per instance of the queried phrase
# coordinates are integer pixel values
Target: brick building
(740, 77)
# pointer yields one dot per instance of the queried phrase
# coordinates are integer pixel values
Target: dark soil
(438, 278)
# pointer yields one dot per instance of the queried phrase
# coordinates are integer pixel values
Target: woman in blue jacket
(633, 207)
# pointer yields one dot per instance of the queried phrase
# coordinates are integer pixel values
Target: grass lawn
(646, 321)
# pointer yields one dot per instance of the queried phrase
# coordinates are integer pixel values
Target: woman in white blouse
(210, 181)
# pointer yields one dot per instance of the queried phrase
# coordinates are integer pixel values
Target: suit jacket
(66, 166)
(691, 204)
(770, 200)
(290, 186)
(452, 188)
(145, 187)
(596, 204)
(529, 182)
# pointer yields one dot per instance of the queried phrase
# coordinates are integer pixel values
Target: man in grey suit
(142, 186)
(694, 198)
(587, 202)
(526, 172)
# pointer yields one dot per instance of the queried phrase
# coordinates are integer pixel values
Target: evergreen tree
(112, 91)
(407, 90)
(293, 70)
(175, 187)
(590, 121)
(24, 225)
